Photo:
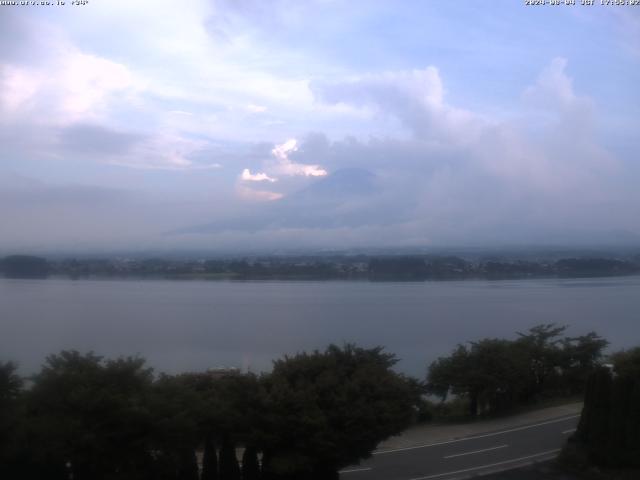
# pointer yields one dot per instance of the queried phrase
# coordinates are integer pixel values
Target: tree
(327, 410)
(176, 408)
(496, 374)
(209, 460)
(90, 414)
(609, 428)
(226, 412)
(581, 356)
(542, 346)
(449, 374)
(24, 266)
(250, 464)
(11, 421)
(489, 373)
(188, 465)
(626, 363)
(229, 468)
(10, 384)
(398, 268)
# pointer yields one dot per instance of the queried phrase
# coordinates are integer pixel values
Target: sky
(228, 125)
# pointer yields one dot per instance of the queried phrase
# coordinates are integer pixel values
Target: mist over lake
(194, 325)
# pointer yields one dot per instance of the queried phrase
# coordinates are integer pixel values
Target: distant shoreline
(313, 268)
(237, 279)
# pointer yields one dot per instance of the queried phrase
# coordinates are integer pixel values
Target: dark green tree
(176, 408)
(250, 464)
(496, 374)
(581, 356)
(10, 384)
(12, 425)
(542, 346)
(24, 266)
(90, 415)
(188, 465)
(594, 421)
(327, 410)
(490, 373)
(609, 428)
(626, 363)
(228, 412)
(449, 374)
(210, 459)
(229, 468)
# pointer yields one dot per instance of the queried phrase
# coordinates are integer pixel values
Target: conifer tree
(209, 460)
(229, 468)
(250, 465)
(188, 465)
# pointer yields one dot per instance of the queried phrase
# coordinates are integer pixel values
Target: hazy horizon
(507, 251)
(249, 126)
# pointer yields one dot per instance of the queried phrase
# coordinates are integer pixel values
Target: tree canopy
(100, 419)
(91, 415)
(330, 409)
(609, 428)
(497, 374)
(24, 266)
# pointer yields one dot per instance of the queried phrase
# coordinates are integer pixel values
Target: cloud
(347, 198)
(72, 86)
(256, 108)
(160, 151)
(19, 86)
(278, 168)
(403, 151)
(77, 101)
(415, 97)
(30, 192)
(553, 89)
(97, 140)
(41, 215)
(285, 166)
(247, 176)
(498, 181)
(389, 90)
(77, 218)
(255, 195)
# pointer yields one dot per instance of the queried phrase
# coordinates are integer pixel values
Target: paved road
(468, 456)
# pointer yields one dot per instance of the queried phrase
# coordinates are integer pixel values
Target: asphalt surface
(468, 456)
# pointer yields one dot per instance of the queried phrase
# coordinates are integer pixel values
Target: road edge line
(485, 435)
(548, 452)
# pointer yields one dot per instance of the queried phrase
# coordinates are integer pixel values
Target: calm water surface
(179, 325)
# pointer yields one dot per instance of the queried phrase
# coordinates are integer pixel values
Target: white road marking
(476, 451)
(571, 430)
(549, 452)
(517, 429)
(352, 470)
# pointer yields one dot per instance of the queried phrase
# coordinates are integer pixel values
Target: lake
(191, 325)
